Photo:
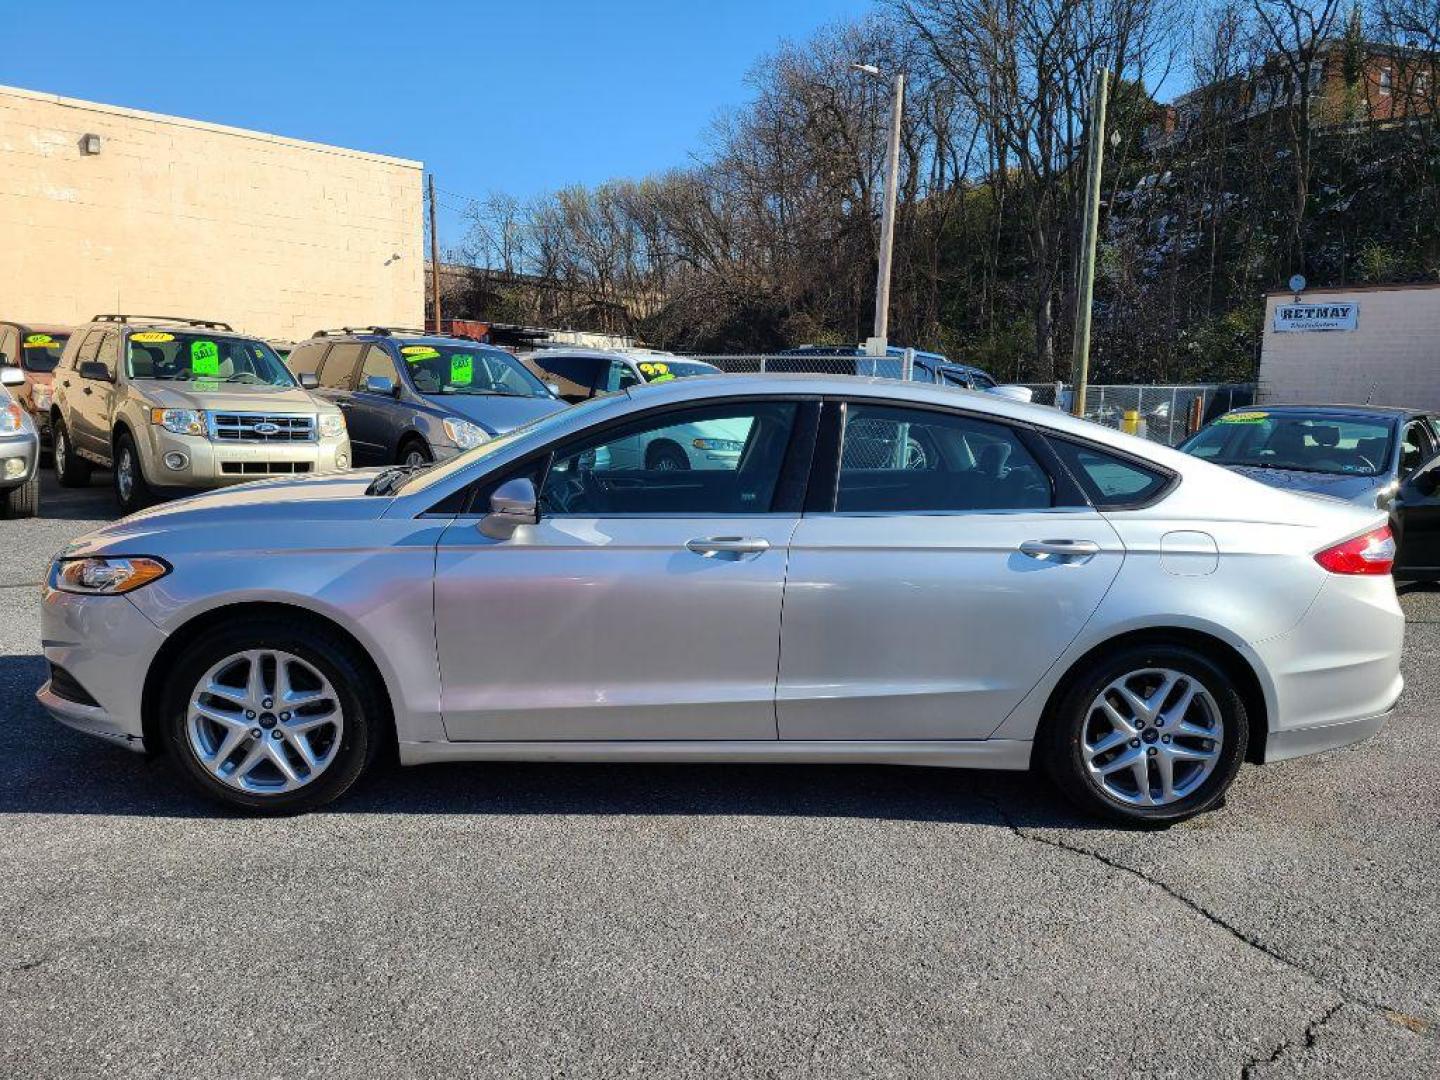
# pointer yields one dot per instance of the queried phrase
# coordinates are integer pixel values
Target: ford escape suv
(181, 404)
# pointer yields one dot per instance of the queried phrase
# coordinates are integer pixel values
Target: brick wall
(1391, 358)
(276, 236)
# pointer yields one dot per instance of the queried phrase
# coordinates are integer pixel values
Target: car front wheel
(70, 469)
(1150, 735)
(271, 717)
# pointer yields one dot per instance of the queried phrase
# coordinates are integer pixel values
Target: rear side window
(900, 461)
(305, 359)
(339, 368)
(1110, 481)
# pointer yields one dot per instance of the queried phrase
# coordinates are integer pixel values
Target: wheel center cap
(267, 721)
(1150, 734)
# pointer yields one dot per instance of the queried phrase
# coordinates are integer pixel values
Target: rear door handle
(1061, 551)
(732, 548)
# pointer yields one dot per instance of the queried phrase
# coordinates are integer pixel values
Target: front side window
(1296, 441)
(1109, 480)
(377, 365)
(1416, 446)
(41, 352)
(719, 459)
(188, 357)
(441, 369)
(910, 461)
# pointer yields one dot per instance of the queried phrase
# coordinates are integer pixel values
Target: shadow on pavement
(45, 768)
(93, 503)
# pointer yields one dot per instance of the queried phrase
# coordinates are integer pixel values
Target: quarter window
(1110, 481)
(903, 461)
(716, 460)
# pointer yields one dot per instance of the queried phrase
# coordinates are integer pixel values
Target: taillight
(1369, 553)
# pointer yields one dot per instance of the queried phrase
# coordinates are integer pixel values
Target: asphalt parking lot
(780, 921)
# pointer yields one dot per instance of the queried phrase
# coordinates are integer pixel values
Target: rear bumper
(1297, 742)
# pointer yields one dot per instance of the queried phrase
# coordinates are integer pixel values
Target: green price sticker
(204, 358)
(38, 341)
(462, 369)
(1243, 418)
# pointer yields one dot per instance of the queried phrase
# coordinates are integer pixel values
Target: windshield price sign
(1301, 318)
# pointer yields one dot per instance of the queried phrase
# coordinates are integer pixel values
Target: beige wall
(277, 237)
(1391, 358)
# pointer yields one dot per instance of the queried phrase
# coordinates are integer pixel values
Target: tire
(132, 493)
(352, 689)
(1080, 732)
(24, 501)
(71, 469)
(414, 452)
(666, 457)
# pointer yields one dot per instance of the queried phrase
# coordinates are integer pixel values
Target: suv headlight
(95, 576)
(464, 434)
(180, 421)
(332, 425)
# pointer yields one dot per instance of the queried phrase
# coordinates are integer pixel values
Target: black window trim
(824, 487)
(1172, 478)
(795, 467)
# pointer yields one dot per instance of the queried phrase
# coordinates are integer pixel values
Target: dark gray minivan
(411, 397)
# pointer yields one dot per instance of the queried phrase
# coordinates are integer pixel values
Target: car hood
(1356, 489)
(230, 397)
(495, 413)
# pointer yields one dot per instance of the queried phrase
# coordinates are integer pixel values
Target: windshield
(468, 369)
(42, 351)
(1305, 442)
(186, 357)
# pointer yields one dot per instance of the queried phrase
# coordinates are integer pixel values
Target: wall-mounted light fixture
(90, 144)
(391, 259)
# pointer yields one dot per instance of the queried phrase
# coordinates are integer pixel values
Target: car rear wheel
(131, 490)
(24, 501)
(271, 718)
(1150, 735)
(70, 469)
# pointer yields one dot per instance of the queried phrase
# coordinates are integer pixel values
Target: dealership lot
(758, 921)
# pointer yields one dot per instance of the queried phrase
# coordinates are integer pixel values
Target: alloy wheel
(1152, 737)
(264, 721)
(125, 475)
(415, 458)
(60, 449)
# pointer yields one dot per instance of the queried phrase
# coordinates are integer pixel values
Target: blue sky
(519, 96)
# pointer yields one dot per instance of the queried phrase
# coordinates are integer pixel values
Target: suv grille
(262, 427)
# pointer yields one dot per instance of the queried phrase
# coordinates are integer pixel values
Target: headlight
(332, 425)
(724, 446)
(464, 434)
(180, 421)
(12, 419)
(95, 576)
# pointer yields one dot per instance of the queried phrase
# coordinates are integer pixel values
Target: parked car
(35, 349)
(19, 451)
(580, 374)
(412, 397)
(178, 404)
(1133, 620)
(1368, 455)
(929, 367)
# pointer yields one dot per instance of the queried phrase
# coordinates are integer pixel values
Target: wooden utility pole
(434, 259)
(1085, 291)
(887, 215)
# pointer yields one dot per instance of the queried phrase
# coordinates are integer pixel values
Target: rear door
(92, 404)
(1417, 510)
(373, 418)
(948, 565)
(337, 375)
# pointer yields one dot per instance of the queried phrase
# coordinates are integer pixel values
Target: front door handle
(731, 548)
(1061, 551)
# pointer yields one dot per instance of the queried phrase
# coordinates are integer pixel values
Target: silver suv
(181, 404)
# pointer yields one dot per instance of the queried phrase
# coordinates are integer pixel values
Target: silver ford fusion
(883, 572)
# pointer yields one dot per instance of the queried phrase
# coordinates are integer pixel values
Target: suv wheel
(414, 453)
(131, 490)
(24, 501)
(271, 717)
(1151, 735)
(70, 469)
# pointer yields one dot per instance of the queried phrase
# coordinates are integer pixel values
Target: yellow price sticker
(415, 353)
(1244, 418)
(151, 336)
(38, 341)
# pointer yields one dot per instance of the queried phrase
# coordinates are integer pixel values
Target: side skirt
(954, 754)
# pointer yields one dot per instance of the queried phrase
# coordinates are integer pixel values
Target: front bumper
(202, 463)
(107, 646)
(24, 447)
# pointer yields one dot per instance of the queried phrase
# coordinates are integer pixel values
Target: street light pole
(877, 344)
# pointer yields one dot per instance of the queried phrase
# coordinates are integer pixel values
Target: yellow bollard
(1131, 423)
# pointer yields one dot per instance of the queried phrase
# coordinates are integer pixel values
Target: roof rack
(382, 331)
(209, 324)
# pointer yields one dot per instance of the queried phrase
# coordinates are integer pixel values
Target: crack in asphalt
(1311, 1033)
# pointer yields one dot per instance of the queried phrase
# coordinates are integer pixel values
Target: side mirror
(12, 376)
(94, 370)
(379, 384)
(512, 504)
(309, 380)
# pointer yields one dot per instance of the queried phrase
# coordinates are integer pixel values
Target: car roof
(592, 353)
(39, 327)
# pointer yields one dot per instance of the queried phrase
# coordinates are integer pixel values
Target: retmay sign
(1298, 318)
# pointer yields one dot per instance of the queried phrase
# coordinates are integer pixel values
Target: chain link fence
(1165, 414)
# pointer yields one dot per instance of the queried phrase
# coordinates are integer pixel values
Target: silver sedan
(885, 572)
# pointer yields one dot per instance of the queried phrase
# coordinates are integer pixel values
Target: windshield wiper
(390, 478)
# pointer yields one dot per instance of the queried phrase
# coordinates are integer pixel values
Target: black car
(1370, 455)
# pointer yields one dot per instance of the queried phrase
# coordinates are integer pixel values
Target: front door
(948, 576)
(1417, 511)
(645, 604)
